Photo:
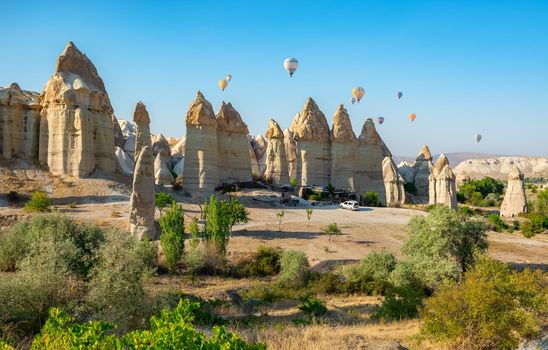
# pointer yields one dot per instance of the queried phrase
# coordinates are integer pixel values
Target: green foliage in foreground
(492, 307)
(39, 201)
(163, 200)
(173, 329)
(293, 269)
(172, 238)
(371, 199)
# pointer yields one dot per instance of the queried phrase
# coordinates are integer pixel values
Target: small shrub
(280, 215)
(332, 230)
(476, 199)
(235, 212)
(309, 214)
(293, 183)
(466, 211)
(496, 223)
(371, 274)
(400, 303)
(313, 308)
(172, 238)
(264, 262)
(293, 269)
(328, 283)
(13, 246)
(115, 214)
(371, 199)
(39, 202)
(163, 200)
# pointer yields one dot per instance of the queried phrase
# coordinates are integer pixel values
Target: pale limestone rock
(142, 128)
(255, 170)
(499, 167)
(124, 161)
(276, 159)
(76, 125)
(127, 128)
(162, 175)
(515, 201)
(422, 168)
(462, 177)
(291, 153)
(259, 145)
(393, 183)
(234, 163)
(119, 138)
(142, 200)
(370, 154)
(312, 135)
(178, 149)
(160, 145)
(407, 171)
(442, 188)
(344, 149)
(19, 123)
(129, 146)
(200, 174)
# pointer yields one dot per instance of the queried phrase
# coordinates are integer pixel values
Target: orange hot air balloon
(222, 84)
(412, 116)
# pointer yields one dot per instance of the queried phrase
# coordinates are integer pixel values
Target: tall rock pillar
(344, 146)
(515, 201)
(276, 159)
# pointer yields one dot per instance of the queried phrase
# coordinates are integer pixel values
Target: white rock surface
(515, 200)
(276, 160)
(124, 161)
(162, 175)
(344, 151)
(499, 167)
(142, 200)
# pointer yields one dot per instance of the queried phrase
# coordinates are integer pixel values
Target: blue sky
(464, 67)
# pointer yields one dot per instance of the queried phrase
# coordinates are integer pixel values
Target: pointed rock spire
(229, 120)
(311, 124)
(200, 112)
(342, 127)
(515, 200)
(142, 128)
(424, 154)
(142, 200)
(274, 131)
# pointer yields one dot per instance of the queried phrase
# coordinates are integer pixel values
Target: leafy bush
(309, 212)
(115, 288)
(313, 308)
(371, 274)
(493, 307)
(476, 198)
(293, 183)
(328, 283)
(280, 215)
(264, 262)
(483, 187)
(217, 226)
(293, 269)
(410, 187)
(39, 201)
(400, 303)
(404, 275)
(172, 238)
(465, 211)
(13, 246)
(173, 329)
(163, 200)
(236, 212)
(332, 230)
(371, 199)
(535, 224)
(540, 205)
(496, 223)
(442, 245)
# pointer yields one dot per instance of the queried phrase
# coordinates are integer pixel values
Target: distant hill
(454, 158)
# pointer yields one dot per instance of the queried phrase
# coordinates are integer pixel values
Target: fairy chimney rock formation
(442, 188)
(77, 121)
(462, 178)
(259, 145)
(291, 153)
(343, 150)
(393, 183)
(312, 135)
(162, 175)
(142, 128)
(200, 174)
(276, 159)
(515, 201)
(234, 162)
(19, 122)
(369, 158)
(142, 200)
(422, 168)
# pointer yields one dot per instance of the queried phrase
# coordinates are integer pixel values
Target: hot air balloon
(477, 137)
(400, 94)
(358, 93)
(412, 116)
(222, 84)
(290, 65)
(228, 77)
(380, 120)
(352, 100)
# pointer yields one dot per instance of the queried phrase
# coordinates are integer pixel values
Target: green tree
(493, 307)
(39, 201)
(541, 203)
(217, 225)
(293, 269)
(163, 200)
(236, 212)
(172, 238)
(442, 244)
(309, 214)
(332, 230)
(371, 199)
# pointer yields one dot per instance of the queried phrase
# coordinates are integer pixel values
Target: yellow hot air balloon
(412, 116)
(358, 93)
(222, 84)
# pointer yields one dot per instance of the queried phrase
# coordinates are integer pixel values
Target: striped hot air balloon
(291, 65)
(380, 120)
(358, 93)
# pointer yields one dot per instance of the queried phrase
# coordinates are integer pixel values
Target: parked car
(351, 205)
